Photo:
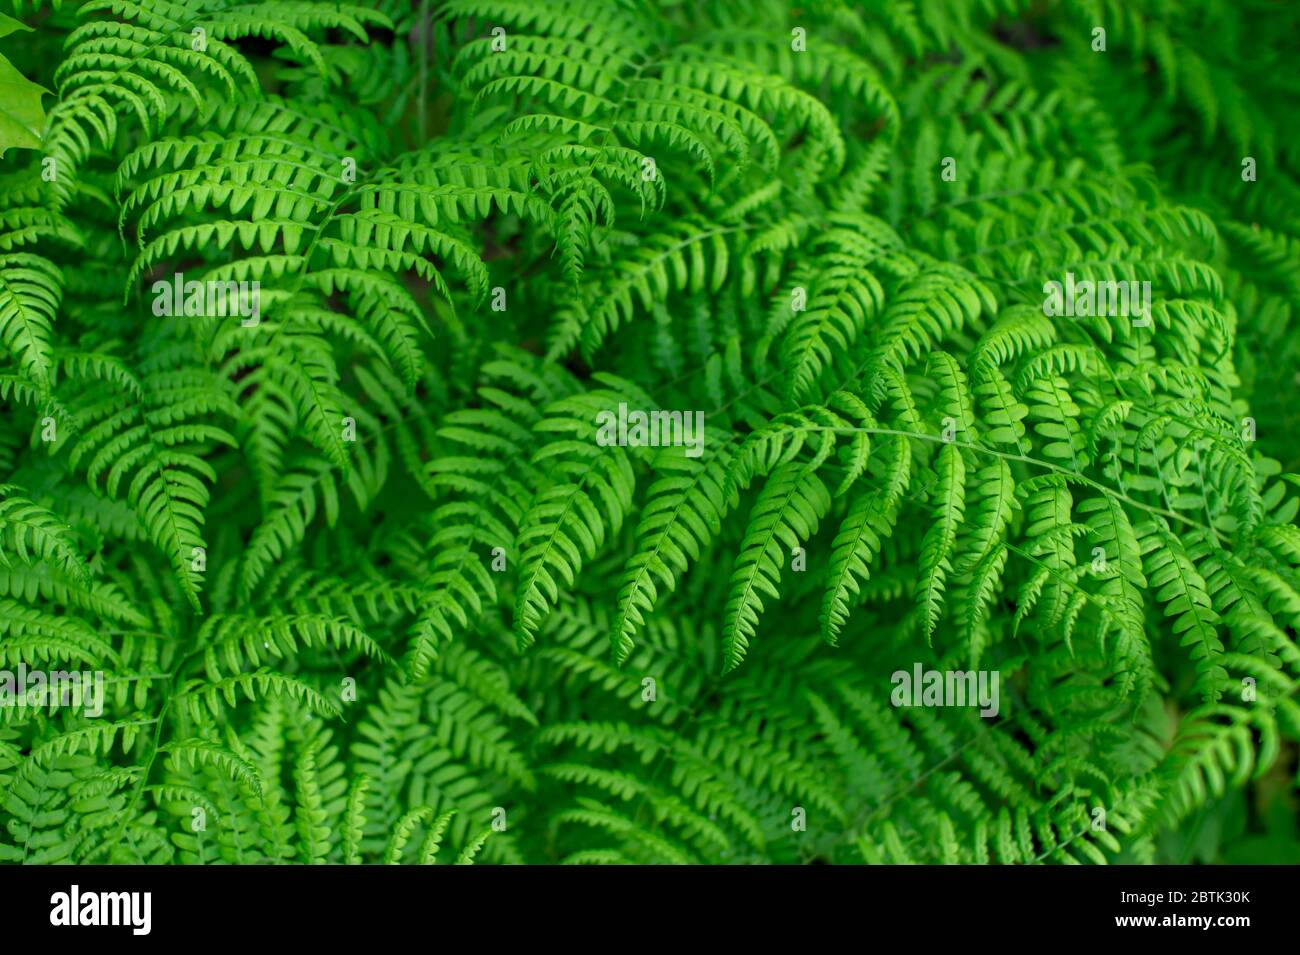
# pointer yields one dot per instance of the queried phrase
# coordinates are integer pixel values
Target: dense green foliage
(365, 584)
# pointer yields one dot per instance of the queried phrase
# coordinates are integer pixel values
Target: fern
(365, 577)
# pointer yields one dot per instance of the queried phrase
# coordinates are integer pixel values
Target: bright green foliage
(369, 584)
(21, 115)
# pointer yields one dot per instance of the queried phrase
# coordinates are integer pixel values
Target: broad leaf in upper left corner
(21, 116)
